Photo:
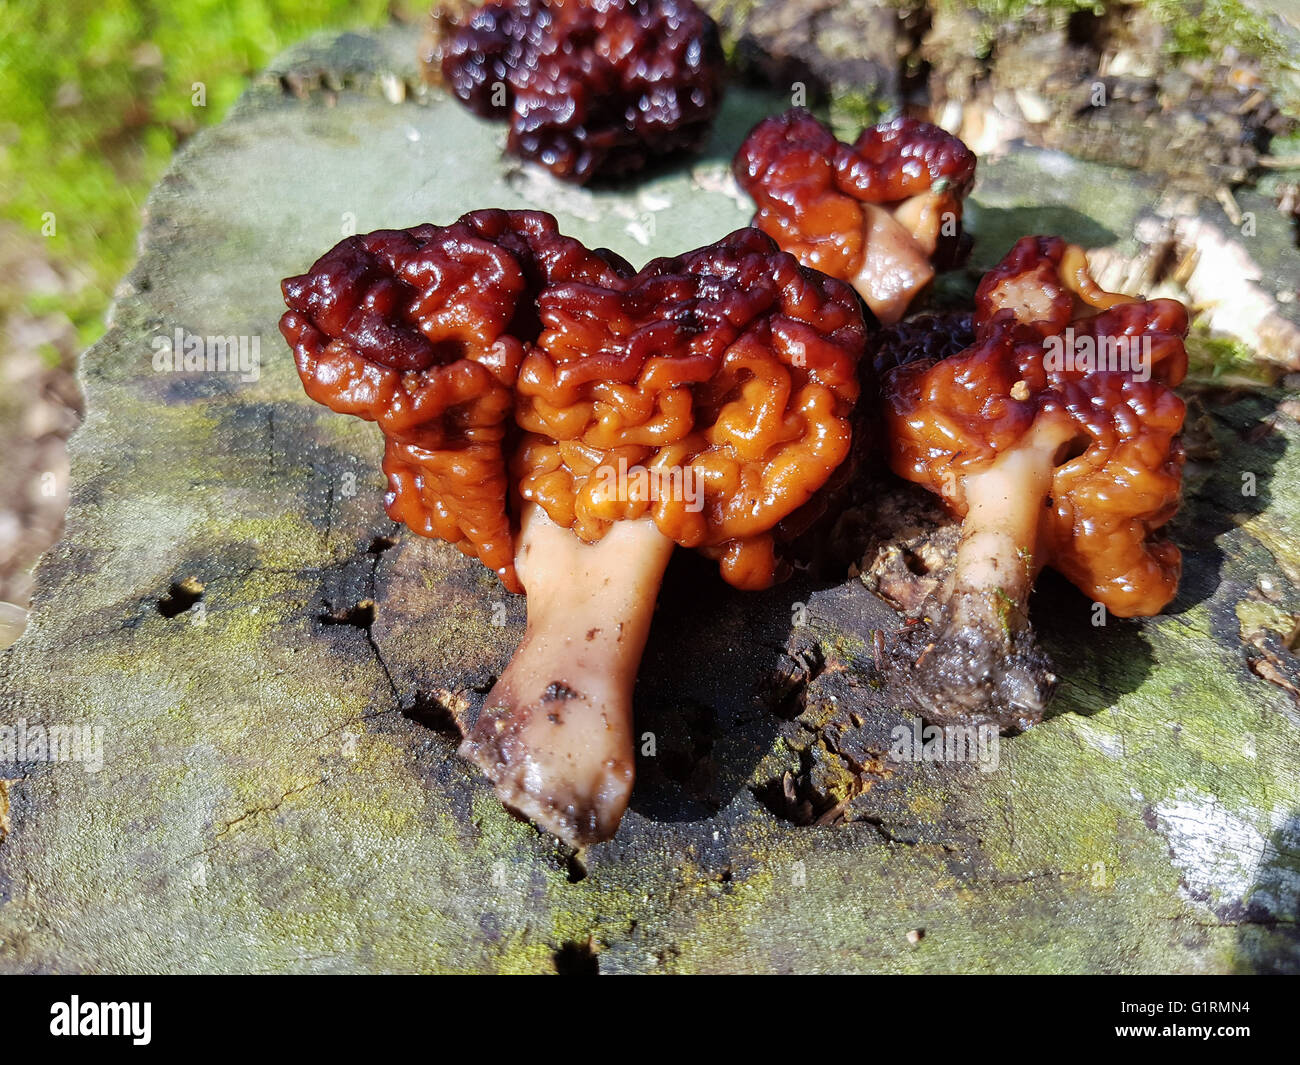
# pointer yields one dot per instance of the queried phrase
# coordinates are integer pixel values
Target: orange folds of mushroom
(1060, 364)
(882, 214)
(712, 393)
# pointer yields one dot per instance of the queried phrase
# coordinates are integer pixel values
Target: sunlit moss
(1201, 29)
(1225, 361)
(852, 112)
(95, 95)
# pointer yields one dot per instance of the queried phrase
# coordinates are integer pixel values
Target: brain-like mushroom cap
(882, 213)
(926, 337)
(732, 367)
(712, 391)
(591, 87)
(1051, 346)
(423, 331)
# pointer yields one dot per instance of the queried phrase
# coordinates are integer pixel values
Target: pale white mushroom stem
(555, 734)
(997, 559)
(895, 261)
(976, 659)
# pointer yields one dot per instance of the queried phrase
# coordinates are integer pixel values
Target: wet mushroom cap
(596, 88)
(1047, 350)
(423, 331)
(924, 338)
(882, 213)
(732, 366)
(711, 392)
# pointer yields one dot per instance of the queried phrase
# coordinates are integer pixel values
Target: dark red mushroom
(592, 88)
(570, 422)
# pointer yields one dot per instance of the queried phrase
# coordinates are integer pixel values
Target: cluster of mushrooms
(512, 371)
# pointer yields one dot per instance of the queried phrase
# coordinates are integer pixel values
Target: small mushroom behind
(591, 88)
(571, 423)
(883, 214)
(1054, 437)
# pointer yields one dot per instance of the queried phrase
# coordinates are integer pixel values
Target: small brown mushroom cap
(591, 89)
(1118, 475)
(883, 213)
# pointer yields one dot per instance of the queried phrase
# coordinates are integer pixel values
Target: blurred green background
(95, 96)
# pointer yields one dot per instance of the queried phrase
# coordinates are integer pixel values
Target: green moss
(730, 15)
(1005, 607)
(95, 96)
(1201, 29)
(1225, 361)
(1258, 617)
(847, 647)
(853, 111)
(998, 12)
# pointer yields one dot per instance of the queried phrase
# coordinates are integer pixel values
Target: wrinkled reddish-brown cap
(1038, 316)
(727, 374)
(596, 88)
(423, 331)
(883, 213)
(731, 363)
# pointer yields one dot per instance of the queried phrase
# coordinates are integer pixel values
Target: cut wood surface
(278, 670)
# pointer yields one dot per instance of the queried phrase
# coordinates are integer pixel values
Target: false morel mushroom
(883, 213)
(591, 88)
(570, 422)
(417, 330)
(1054, 436)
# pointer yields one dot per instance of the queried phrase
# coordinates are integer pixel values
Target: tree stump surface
(278, 669)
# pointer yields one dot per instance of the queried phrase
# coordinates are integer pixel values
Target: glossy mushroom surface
(570, 421)
(883, 213)
(1055, 437)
